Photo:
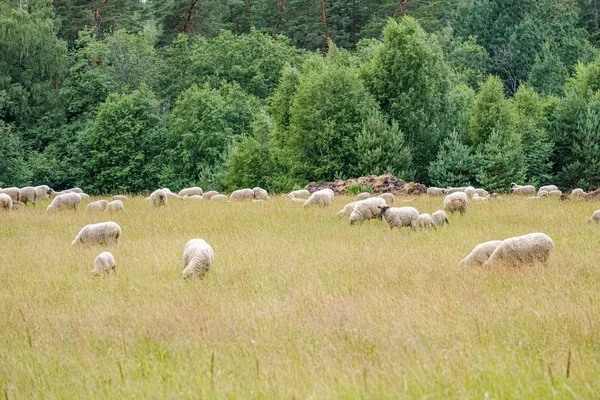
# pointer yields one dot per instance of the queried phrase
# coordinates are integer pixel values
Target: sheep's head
(513, 185)
(382, 210)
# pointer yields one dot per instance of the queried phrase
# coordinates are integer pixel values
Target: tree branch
(280, 11)
(188, 17)
(96, 14)
(324, 17)
(400, 8)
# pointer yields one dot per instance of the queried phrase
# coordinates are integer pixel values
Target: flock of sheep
(198, 255)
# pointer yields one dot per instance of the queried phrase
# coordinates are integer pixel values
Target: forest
(128, 95)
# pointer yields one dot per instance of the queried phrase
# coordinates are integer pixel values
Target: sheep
(482, 192)
(102, 233)
(478, 198)
(192, 197)
(98, 205)
(115, 205)
(366, 209)
(18, 205)
(44, 192)
(348, 208)
(294, 200)
(388, 197)
(547, 188)
(451, 190)
(555, 193)
(208, 195)
(28, 194)
(73, 190)
(425, 221)
(220, 198)
(64, 201)
(260, 194)
(440, 218)
(456, 201)
(84, 196)
(321, 198)
(541, 193)
(435, 191)
(159, 198)
(198, 257)
(578, 193)
(480, 254)
(469, 191)
(120, 197)
(6, 203)
(399, 216)
(104, 263)
(528, 190)
(363, 196)
(595, 216)
(242, 194)
(299, 194)
(13, 192)
(193, 191)
(526, 249)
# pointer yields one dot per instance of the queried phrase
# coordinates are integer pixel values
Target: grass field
(298, 304)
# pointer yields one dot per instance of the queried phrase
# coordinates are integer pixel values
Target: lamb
(595, 216)
(440, 218)
(366, 209)
(6, 202)
(425, 221)
(348, 208)
(435, 191)
(159, 198)
(456, 202)
(120, 197)
(242, 194)
(526, 249)
(555, 193)
(44, 192)
(220, 198)
(192, 197)
(469, 191)
(363, 196)
(480, 254)
(299, 194)
(64, 201)
(547, 188)
(208, 195)
(193, 191)
(102, 233)
(13, 192)
(104, 263)
(578, 193)
(528, 190)
(98, 205)
(399, 216)
(388, 197)
(260, 194)
(320, 198)
(198, 257)
(28, 194)
(115, 205)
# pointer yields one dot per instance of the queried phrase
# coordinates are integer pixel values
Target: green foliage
(460, 106)
(548, 73)
(500, 162)
(355, 189)
(584, 169)
(13, 169)
(455, 164)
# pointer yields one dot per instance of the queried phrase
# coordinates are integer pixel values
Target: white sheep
(104, 263)
(260, 194)
(73, 190)
(578, 193)
(397, 217)
(366, 209)
(526, 249)
(219, 198)
(102, 233)
(98, 205)
(44, 192)
(528, 190)
(435, 191)
(159, 198)
(198, 256)
(456, 201)
(295, 200)
(115, 205)
(120, 197)
(192, 197)
(242, 194)
(482, 192)
(363, 196)
(547, 188)
(320, 198)
(348, 208)
(595, 216)
(480, 254)
(451, 190)
(193, 191)
(18, 205)
(28, 194)
(555, 193)
(13, 192)
(64, 201)
(440, 218)
(299, 194)
(84, 196)
(208, 195)
(477, 198)
(389, 198)
(469, 191)
(425, 221)
(6, 202)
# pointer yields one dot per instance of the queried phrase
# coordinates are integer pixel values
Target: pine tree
(500, 162)
(455, 164)
(584, 170)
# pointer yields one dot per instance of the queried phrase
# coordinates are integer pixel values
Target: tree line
(125, 95)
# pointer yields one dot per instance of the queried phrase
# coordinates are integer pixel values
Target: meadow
(298, 304)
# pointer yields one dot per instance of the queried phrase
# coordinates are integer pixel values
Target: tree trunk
(324, 16)
(400, 8)
(188, 17)
(280, 10)
(96, 15)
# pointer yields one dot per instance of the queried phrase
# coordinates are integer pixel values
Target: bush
(355, 189)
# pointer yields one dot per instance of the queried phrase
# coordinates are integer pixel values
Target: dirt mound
(381, 184)
(595, 195)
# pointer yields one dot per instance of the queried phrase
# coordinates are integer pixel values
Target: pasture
(298, 304)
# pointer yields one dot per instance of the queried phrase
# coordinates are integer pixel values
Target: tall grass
(300, 304)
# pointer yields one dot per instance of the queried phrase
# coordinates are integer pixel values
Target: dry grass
(298, 304)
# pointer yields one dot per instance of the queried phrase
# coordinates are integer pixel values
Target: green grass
(298, 304)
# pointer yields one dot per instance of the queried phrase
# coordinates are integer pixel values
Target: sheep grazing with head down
(366, 209)
(555, 193)
(480, 254)
(388, 197)
(6, 202)
(320, 198)
(260, 194)
(299, 194)
(65, 202)
(528, 190)
(242, 194)
(198, 257)
(44, 192)
(451, 190)
(527, 249)
(470, 191)
(28, 194)
(104, 263)
(193, 191)
(435, 191)
(440, 218)
(547, 188)
(13, 192)
(397, 217)
(159, 198)
(102, 233)
(219, 198)
(115, 205)
(120, 197)
(208, 195)
(192, 197)
(482, 192)
(348, 208)
(425, 221)
(595, 217)
(98, 205)
(456, 201)
(578, 193)
(363, 196)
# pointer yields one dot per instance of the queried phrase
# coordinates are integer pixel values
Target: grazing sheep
(397, 217)
(547, 188)
(104, 263)
(482, 192)
(198, 256)
(6, 203)
(219, 197)
(595, 216)
(73, 190)
(193, 191)
(260, 194)
(320, 198)
(542, 193)
(363, 196)
(102, 233)
(555, 193)
(578, 193)
(456, 201)
(98, 205)
(13, 192)
(388, 197)
(451, 190)
(44, 192)
(18, 205)
(120, 197)
(528, 190)
(435, 191)
(478, 198)
(440, 218)
(469, 191)
(64, 201)
(526, 249)
(299, 194)
(295, 200)
(366, 209)
(425, 221)
(348, 208)
(115, 205)
(28, 194)
(480, 254)
(192, 197)
(208, 195)
(159, 198)
(242, 194)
